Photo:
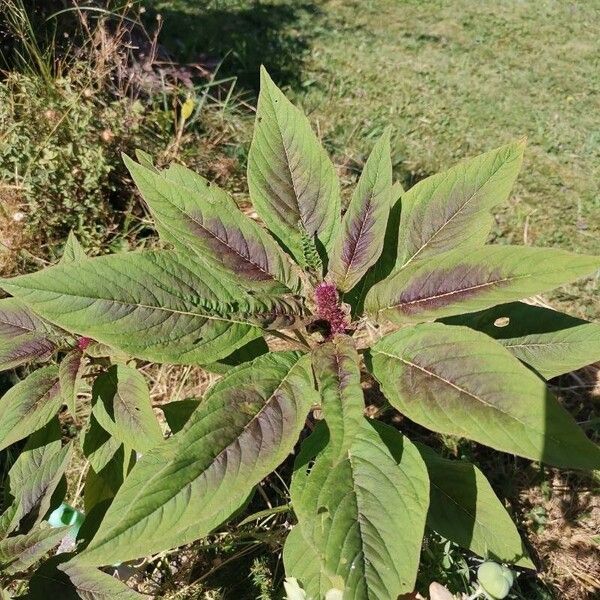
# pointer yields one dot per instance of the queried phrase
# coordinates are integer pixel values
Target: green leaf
(9, 520)
(73, 251)
(98, 350)
(363, 512)
(337, 368)
(37, 472)
(98, 445)
(184, 177)
(57, 578)
(178, 413)
(145, 159)
(293, 185)
(24, 337)
(20, 552)
(216, 231)
(122, 406)
(360, 241)
(457, 381)
(244, 428)
(104, 484)
(70, 371)
(29, 405)
(302, 559)
(452, 210)
(363, 502)
(93, 584)
(466, 281)
(550, 342)
(246, 353)
(156, 306)
(463, 508)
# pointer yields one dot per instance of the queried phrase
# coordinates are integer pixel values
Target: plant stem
(299, 335)
(477, 594)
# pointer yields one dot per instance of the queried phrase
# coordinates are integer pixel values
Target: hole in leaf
(501, 321)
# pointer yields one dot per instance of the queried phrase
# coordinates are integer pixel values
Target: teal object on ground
(64, 516)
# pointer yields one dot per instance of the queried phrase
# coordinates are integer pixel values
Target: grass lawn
(453, 78)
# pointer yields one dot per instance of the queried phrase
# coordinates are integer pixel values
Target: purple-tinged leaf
(19, 552)
(122, 406)
(29, 405)
(37, 472)
(360, 240)
(70, 371)
(550, 342)
(452, 210)
(24, 337)
(158, 306)
(181, 490)
(199, 221)
(385, 263)
(461, 282)
(293, 184)
(460, 382)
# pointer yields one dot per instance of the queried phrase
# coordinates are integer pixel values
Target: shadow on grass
(239, 36)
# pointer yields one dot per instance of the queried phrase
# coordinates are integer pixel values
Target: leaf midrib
(287, 160)
(148, 306)
(350, 263)
(458, 291)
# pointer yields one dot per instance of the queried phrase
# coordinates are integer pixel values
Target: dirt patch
(562, 515)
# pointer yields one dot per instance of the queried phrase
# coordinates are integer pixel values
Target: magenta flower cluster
(329, 309)
(83, 343)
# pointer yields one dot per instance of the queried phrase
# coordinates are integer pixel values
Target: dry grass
(13, 239)
(565, 545)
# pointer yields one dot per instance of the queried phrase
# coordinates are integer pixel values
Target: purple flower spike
(329, 309)
(83, 343)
